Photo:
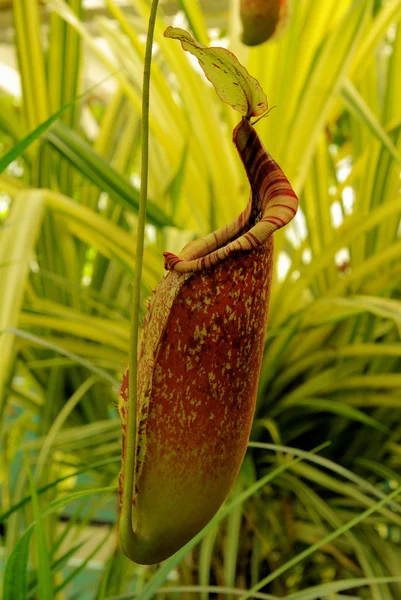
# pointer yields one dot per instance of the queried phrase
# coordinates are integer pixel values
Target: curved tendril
(132, 547)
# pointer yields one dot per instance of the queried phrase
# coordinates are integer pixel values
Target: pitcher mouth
(271, 197)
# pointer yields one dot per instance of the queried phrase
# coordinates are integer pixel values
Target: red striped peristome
(275, 205)
(199, 363)
(262, 20)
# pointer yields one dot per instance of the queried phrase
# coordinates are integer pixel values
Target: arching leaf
(231, 80)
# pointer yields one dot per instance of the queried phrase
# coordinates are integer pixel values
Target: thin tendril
(127, 536)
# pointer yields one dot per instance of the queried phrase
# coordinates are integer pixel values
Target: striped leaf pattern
(272, 205)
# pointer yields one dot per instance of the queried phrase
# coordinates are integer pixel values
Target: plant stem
(127, 536)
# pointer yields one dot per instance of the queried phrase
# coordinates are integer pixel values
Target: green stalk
(128, 540)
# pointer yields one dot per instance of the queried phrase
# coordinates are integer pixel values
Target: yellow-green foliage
(331, 369)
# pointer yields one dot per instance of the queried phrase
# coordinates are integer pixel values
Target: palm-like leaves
(332, 356)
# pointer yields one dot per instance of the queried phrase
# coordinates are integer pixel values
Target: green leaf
(196, 19)
(339, 408)
(205, 560)
(325, 464)
(45, 578)
(74, 357)
(17, 243)
(388, 15)
(322, 591)
(84, 563)
(314, 547)
(19, 558)
(34, 135)
(198, 589)
(312, 593)
(79, 153)
(231, 80)
(69, 498)
(358, 106)
(64, 499)
(59, 421)
(16, 572)
(57, 566)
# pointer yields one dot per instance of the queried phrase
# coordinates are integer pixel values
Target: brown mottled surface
(206, 374)
(202, 396)
(199, 364)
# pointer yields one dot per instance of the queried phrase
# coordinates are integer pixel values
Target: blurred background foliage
(331, 369)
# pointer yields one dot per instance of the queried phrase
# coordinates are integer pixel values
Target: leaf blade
(45, 578)
(233, 84)
(15, 586)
